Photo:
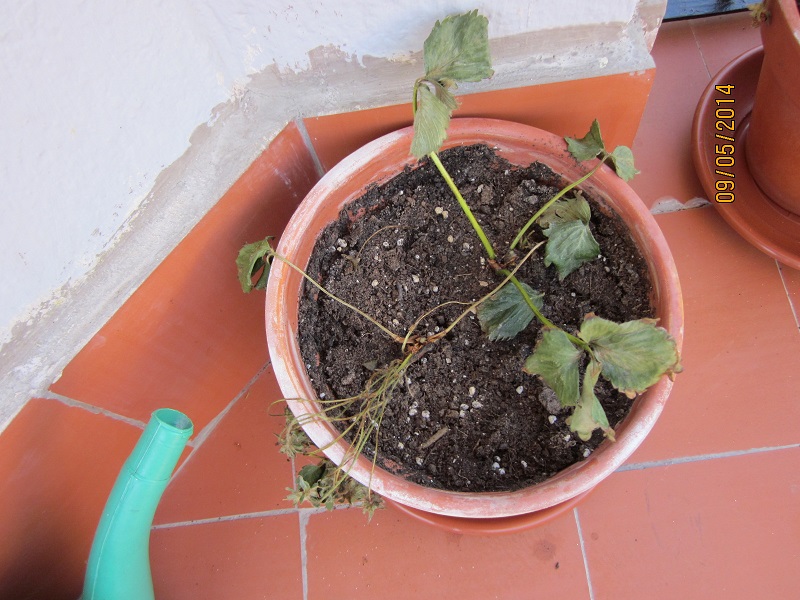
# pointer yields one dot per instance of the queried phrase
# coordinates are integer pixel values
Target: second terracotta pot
(376, 163)
(773, 138)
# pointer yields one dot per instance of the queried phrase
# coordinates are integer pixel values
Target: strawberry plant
(631, 356)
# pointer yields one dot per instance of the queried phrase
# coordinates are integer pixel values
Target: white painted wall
(104, 106)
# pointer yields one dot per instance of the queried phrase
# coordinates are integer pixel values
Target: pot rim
(384, 158)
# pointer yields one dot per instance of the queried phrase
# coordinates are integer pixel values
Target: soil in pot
(466, 417)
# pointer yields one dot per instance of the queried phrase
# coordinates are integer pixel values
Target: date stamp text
(724, 159)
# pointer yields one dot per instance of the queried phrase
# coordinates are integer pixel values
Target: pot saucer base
(770, 228)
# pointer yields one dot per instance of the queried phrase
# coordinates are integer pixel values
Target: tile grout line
(700, 51)
(788, 295)
(304, 135)
(690, 459)
(302, 520)
(224, 519)
(583, 553)
(206, 432)
(92, 409)
(278, 512)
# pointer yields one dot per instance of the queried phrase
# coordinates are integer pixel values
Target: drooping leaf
(588, 146)
(431, 120)
(570, 242)
(632, 355)
(253, 258)
(589, 414)
(311, 474)
(457, 49)
(507, 313)
(622, 157)
(556, 360)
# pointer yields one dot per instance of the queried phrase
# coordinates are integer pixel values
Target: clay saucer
(499, 525)
(772, 229)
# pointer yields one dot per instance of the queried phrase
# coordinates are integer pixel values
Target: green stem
(464, 206)
(542, 319)
(473, 307)
(550, 202)
(528, 300)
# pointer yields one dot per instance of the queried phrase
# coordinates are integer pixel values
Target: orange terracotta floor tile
(726, 528)
(741, 354)
(238, 469)
(57, 467)
(189, 338)
(394, 558)
(244, 559)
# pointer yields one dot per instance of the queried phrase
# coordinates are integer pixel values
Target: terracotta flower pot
(772, 145)
(379, 161)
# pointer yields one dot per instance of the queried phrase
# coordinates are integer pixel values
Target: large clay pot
(772, 145)
(376, 163)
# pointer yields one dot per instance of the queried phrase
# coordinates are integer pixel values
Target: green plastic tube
(119, 562)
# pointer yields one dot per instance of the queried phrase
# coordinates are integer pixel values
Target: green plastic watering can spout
(119, 562)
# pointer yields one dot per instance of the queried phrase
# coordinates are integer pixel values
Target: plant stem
(550, 202)
(464, 206)
(472, 307)
(528, 300)
(542, 319)
(422, 317)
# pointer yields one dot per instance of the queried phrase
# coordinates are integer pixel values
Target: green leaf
(311, 474)
(567, 209)
(570, 242)
(588, 146)
(589, 414)
(507, 313)
(622, 157)
(457, 49)
(556, 361)
(431, 120)
(253, 258)
(633, 355)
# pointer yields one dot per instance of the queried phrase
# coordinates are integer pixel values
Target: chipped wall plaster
(105, 167)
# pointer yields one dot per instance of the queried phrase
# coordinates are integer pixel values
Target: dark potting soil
(466, 417)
